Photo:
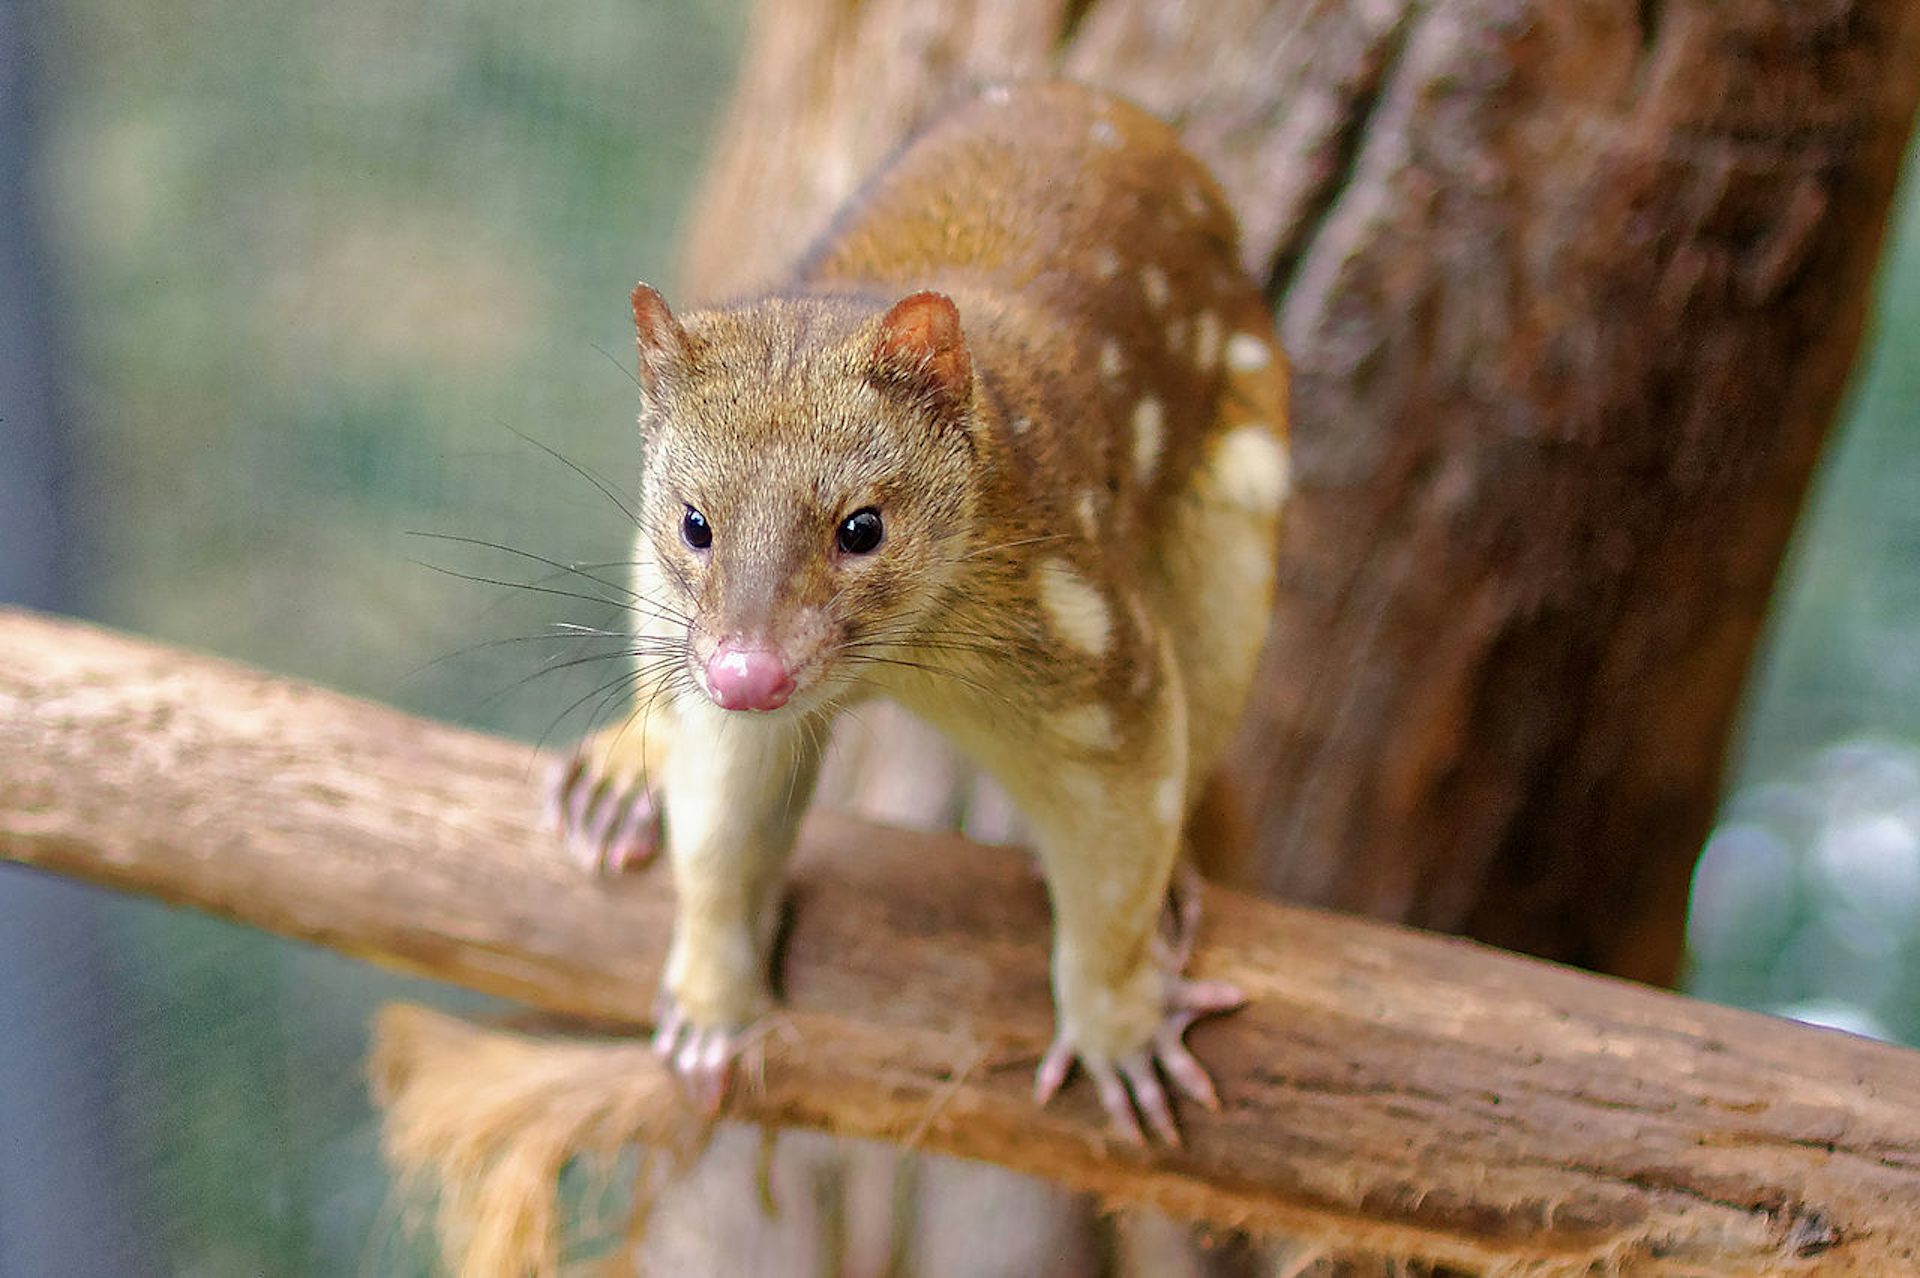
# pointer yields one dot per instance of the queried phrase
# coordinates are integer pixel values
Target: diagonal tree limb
(1386, 1089)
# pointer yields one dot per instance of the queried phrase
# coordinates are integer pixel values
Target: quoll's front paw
(1132, 1079)
(701, 1056)
(610, 818)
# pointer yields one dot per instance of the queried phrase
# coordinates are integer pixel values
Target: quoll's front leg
(604, 799)
(1123, 1005)
(736, 786)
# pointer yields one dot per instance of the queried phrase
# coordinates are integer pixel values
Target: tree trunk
(1571, 290)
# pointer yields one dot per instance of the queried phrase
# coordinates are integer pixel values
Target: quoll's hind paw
(608, 823)
(701, 1057)
(1133, 1081)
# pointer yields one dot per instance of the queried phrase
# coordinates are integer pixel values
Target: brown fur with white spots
(1010, 346)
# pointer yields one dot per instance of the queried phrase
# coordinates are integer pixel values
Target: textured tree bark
(1571, 291)
(1407, 1093)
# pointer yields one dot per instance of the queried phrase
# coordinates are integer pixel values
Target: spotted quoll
(1008, 447)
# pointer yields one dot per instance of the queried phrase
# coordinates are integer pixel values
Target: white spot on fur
(1106, 263)
(1245, 353)
(1153, 281)
(1251, 469)
(1206, 340)
(1166, 800)
(1105, 134)
(1149, 432)
(1088, 508)
(1112, 361)
(1020, 425)
(1089, 726)
(1074, 608)
(997, 93)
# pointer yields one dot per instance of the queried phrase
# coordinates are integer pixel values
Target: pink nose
(748, 679)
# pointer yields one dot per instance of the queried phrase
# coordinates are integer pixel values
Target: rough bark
(1571, 291)
(1423, 1096)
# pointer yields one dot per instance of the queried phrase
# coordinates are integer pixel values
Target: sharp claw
(561, 777)
(1150, 1096)
(605, 815)
(1054, 1067)
(687, 1057)
(1186, 1071)
(667, 1033)
(583, 808)
(1205, 998)
(713, 1070)
(635, 841)
(1115, 1099)
(580, 796)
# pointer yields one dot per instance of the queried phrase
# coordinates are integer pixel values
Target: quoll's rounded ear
(919, 347)
(664, 348)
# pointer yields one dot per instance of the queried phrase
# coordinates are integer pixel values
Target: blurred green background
(308, 279)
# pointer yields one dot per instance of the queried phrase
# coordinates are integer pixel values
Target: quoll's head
(807, 483)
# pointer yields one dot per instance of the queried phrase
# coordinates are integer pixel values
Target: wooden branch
(1398, 1091)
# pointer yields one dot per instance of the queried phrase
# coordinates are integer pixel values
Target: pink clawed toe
(1130, 1088)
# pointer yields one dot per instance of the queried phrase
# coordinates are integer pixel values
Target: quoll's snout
(748, 678)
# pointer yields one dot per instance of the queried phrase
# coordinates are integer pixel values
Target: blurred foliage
(332, 268)
(326, 265)
(1845, 655)
(327, 260)
(1807, 897)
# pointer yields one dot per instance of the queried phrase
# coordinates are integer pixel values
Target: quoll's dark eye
(860, 531)
(695, 529)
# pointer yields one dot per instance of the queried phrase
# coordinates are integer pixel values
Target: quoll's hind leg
(1123, 1014)
(737, 787)
(603, 800)
(1210, 575)
(1211, 568)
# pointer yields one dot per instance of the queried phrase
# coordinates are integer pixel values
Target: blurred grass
(325, 261)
